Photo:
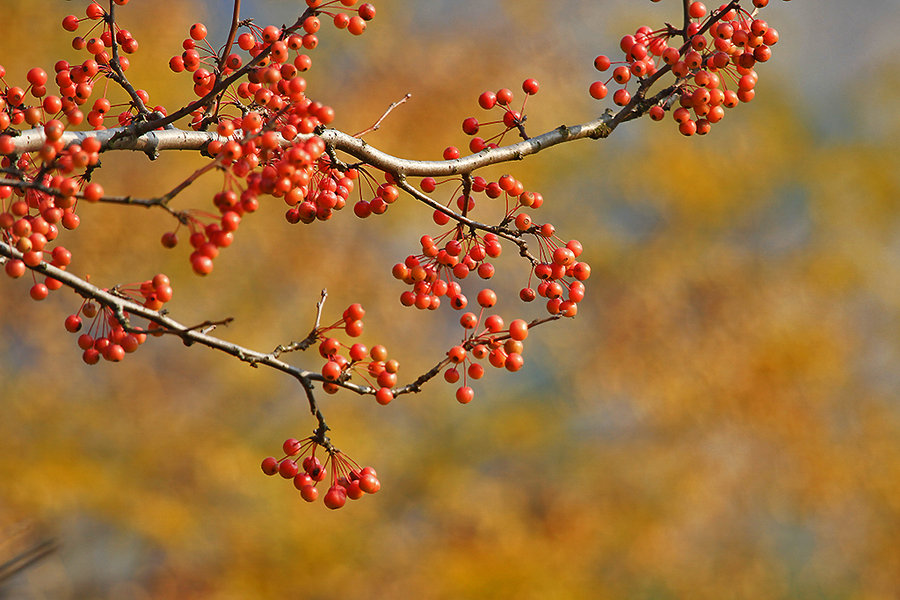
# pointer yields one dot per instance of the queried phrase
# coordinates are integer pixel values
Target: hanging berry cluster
(301, 465)
(106, 335)
(342, 361)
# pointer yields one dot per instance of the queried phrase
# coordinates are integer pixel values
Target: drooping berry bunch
(454, 254)
(485, 338)
(343, 361)
(301, 465)
(433, 274)
(560, 274)
(106, 336)
(714, 68)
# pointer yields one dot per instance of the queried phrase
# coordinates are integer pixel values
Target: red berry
(198, 31)
(70, 23)
(288, 469)
(73, 323)
(15, 268)
(270, 465)
(369, 483)
(487, 298)
(487, 100)
(331, 371)
(465, 394)
(384, 395)
(598, 90)
(366, 11)
(357, 25)
(292, 446)
(309, 493)
(336, 497)
(39, 291)
(518, 329)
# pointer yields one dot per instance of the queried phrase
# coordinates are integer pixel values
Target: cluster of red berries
(489, 338)
(106, 336)
(300, 464)
(511, 119)
(30, 217)
(433, 273)
(327, 190)
(718, 61)
(76, 82)
(259, 145)
(342, 360)
(209, 233)
(561, 275)
(457, 252)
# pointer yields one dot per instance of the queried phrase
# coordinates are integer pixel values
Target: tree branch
(188, 334)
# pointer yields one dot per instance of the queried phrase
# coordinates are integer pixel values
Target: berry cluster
(106, 336)
(43, 200)
(433, 273)
(486, 338)
(342, 360)
(511, 119)
(714, 68)
(561, 275)
(459, 251)
(76, 82)
(260, 143)
(300, 464)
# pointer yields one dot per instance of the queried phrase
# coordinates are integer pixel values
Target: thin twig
(313, 335)
(26, 558)
(116, 68)
(377, 124)
(226, 49)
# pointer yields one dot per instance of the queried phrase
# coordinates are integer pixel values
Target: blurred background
(721, 419)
